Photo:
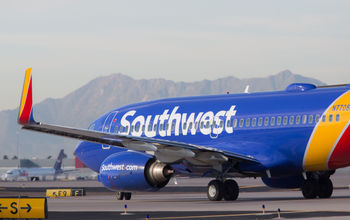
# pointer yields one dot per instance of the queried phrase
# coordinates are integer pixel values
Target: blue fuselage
(272, 127)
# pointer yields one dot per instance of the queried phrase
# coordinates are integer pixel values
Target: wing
(164, 150)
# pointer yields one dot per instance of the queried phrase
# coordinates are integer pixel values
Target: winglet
(25, 115)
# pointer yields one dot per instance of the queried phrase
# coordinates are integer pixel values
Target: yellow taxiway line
(230, 215)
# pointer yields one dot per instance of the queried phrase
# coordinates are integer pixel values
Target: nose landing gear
(123, 195)
(217, 190)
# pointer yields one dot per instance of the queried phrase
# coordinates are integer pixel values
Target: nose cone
(88, 153)
(92, 154)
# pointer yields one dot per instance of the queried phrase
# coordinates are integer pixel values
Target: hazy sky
(68, 43)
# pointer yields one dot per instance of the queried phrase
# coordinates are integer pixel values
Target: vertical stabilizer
(58, 163)
(25, 114)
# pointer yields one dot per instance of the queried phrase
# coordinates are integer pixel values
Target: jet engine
(134, 171)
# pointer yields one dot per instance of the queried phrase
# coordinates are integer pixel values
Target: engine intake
(158, 174)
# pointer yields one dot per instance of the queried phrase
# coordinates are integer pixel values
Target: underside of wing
(169, 151)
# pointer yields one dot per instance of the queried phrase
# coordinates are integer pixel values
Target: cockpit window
(91, 127)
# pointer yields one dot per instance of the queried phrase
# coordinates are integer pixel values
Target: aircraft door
(107, 126)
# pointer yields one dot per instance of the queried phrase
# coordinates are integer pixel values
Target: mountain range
(82, 106)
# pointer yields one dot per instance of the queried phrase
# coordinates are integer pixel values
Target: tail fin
(25, 115)
(58, 163)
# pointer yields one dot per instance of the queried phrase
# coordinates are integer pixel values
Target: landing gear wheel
(120, 195)
(310, 189)
(215, 190)
(325, 188)
(231, 190)
(127, 195)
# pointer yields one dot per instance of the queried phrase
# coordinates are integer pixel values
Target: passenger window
(297, 119)
(173, 126)
(161, 127)
(116, 129)
(221, 123)
(132, 128)
(190, 125)
(330, 118)
(196, 125)
(202, 124)
(121, 129)
(273, 120)
(155, 127)
(228, 123)
(127, 129)
(166, 126)
(184, 126)
(241, 122)
(304, 119)
(317, 118)
(323, 118)
(143, 128)
(311, 119)
(291, 120)
(235, 123)
(254, 122)
(137, 127)
(247, 122)
(337, 117)
(149, 127)
(260, 121)
(266, 122)
(279, 120)
(207, 124)
(285, 120)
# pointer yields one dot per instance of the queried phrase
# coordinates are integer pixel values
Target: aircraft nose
(89, 154)
(78, 150)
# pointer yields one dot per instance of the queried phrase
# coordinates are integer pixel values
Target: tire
(231, 190)
(310, 189)
(127, 195)
(120, 195)
(325, 188)
(215, 190)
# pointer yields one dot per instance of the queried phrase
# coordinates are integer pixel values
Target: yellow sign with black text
(64, 192)
(58, 192)
(23, 207)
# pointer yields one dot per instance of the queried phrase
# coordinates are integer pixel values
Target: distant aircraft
(294, 138)
(36, 173)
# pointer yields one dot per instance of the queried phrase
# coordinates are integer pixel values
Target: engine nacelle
(134, 171)
(289, 182)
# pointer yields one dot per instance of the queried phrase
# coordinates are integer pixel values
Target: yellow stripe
(25, 88)
(232, 215)
(325, 136)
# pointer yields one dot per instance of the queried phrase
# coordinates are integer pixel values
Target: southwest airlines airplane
(36, 173)
(294, 138)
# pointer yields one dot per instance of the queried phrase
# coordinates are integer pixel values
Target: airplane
(295, 138)
(36, 173)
